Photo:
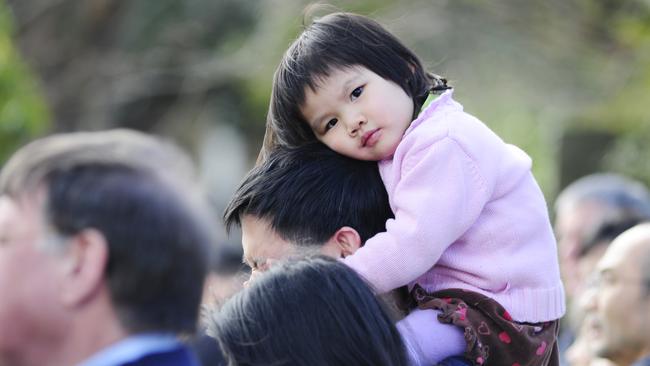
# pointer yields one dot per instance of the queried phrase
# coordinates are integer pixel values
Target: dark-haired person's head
(100, 239)
(305, 199)
(311, 311)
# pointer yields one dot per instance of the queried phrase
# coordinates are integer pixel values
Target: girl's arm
(439, 196)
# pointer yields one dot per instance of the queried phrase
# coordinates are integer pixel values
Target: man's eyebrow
(606, 271)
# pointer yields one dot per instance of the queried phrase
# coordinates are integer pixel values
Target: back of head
(624, 202)
(313, 311)
(645, 260)
(309, 192)
(636, 241)
(333, 42)
(135, 191)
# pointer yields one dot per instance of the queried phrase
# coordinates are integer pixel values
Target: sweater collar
(431, 104)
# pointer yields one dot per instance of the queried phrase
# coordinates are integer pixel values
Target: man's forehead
(259, 239)
(580, 216)
(626, 250)
(253, 229)
(20, 215)
(11, 208)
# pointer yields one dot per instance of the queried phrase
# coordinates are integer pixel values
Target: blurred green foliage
(531, 71)
(23, 112)
(623, 112)
(534, 72)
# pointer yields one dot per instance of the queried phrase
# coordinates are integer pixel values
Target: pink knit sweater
(468, 214)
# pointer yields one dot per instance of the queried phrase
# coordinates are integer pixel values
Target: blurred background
(566, 80)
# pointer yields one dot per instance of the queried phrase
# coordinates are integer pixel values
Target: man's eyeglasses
(607, 279)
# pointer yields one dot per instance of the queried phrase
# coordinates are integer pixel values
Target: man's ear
(84, 266)
(344, 242)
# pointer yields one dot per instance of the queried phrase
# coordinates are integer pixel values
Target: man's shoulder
(180, 356)
(643, 362)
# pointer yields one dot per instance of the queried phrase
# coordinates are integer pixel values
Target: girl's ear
(343, 243)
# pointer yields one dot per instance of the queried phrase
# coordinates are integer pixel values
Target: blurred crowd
(108, 257)
(606, 274)
(383, 224)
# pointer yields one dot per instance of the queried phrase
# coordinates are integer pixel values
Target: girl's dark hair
(336, 41)
(312, 311)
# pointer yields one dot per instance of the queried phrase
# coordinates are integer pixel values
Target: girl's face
(358, 113)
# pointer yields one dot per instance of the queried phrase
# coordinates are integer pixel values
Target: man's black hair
(309, 192)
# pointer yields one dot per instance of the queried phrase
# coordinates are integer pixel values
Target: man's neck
(628, 358)
(93, 329)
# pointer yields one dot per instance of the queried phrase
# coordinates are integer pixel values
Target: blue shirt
(133, 348)
(643, 362)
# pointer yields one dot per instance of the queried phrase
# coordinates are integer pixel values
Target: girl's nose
(354, 124)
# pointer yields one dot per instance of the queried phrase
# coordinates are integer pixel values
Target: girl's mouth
(370, 138)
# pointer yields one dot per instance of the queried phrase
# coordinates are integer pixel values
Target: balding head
(618, 307)
(632, 248)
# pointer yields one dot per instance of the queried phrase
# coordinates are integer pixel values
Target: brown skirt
(492, 337)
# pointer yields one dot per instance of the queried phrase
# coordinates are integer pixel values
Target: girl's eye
(330, 124)
(356, 93)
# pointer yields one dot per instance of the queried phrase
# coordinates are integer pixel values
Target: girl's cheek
(332, 141)
(343, 151)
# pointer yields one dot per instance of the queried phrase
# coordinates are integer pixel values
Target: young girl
(471, 235)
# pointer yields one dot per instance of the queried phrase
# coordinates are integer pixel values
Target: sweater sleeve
(439, 195)
(427, 340)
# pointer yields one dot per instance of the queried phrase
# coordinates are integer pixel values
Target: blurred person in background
(227, 275)
(590, 213)
(617, 305)
(104, 247)
(310, 311)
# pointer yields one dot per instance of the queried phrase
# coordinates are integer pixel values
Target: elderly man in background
(590, 213)
(104, 246)
(617, 306)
